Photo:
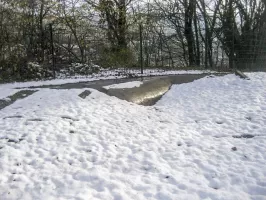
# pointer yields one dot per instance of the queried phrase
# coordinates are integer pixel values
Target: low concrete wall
(187, 78)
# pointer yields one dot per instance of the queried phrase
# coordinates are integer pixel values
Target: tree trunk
(115, 16)
(197, 49)
(121, 39)
(189, 10)
(41, 31)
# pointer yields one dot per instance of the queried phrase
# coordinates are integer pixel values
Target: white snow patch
(5, 92)
(124, 85)
(56, 145)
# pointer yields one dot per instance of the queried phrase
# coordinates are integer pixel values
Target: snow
(131, 84)
(5, 92)
(56, 145)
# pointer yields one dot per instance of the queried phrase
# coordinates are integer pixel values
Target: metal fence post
(52, 48)
(141, 48)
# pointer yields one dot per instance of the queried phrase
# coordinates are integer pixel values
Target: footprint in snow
(35, 120)
(11, 117)
(247, 136)
(234, 149)
(249, 118)
(69, 118)
(13, 140)
(215, 184)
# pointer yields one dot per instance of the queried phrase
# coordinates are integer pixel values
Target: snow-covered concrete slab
(56, 145)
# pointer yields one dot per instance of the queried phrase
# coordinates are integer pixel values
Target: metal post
(141, 48)
(234, 57)
(52, 48)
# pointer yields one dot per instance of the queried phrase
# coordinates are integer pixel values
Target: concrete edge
(241, 74)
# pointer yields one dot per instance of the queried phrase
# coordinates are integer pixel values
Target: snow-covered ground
(131, 84)
(56, 145)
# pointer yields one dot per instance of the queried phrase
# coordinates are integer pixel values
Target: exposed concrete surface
(151, 91)
(11, 99)
(98, 84)
(84, 94)
(185, 78)
(147, 91)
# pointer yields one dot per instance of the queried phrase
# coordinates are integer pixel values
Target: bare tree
(114, 14)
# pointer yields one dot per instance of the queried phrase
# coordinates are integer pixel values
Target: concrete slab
(84, 94)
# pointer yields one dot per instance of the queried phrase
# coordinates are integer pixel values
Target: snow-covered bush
(36, 71)
(13, 63)
(83, 69)
(123, 58)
